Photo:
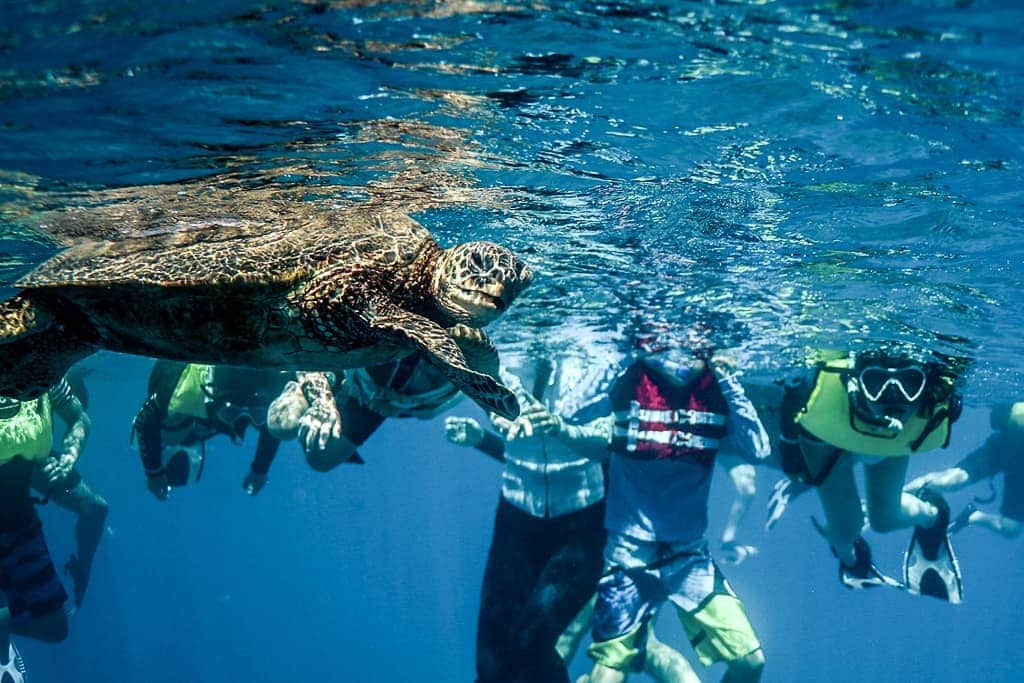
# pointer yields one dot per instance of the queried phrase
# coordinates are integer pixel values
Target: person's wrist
(154, 473)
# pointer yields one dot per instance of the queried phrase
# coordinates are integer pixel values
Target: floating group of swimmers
(607, 463)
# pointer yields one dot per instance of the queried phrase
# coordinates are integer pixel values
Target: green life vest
(827, 416)
(26, 428)
(189, 397)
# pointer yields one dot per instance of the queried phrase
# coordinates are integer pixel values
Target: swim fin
(14, 670)
(929, 566)
(863, 574)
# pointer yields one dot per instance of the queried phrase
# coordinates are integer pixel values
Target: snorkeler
(189, 404)
(545, 554)
(1003, 452)
(28, 580)
(365, 398)
(876, 407)
(672, 408)
(74, 494)
(332, 419)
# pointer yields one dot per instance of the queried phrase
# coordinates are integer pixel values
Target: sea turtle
(331, 290)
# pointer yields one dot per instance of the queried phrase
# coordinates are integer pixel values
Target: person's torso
(26, 428)
(411, 387)
(657, 420)
(542, 475)
(827, 415)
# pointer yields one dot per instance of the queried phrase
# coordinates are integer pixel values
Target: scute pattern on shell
(289, 243)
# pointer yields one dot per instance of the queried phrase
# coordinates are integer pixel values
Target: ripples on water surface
(803, 173)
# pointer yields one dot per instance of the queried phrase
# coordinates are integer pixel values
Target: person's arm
(591, 439)
(266, 451)
(69, 409)
(976, 466)
(465, 431)
(743, 428)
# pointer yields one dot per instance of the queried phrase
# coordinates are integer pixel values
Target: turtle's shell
(117, 245)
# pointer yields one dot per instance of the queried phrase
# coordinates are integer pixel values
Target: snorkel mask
(679, 355)
(885, 389)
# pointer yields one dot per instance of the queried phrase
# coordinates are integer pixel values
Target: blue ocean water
(803, 173)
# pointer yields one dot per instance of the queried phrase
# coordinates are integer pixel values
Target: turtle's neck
(413, 291)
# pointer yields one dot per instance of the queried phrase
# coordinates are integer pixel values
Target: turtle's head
(475, 282)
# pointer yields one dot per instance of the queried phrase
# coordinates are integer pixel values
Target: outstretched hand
(320, 423)
(57, 469)
(735, 553)
(463, 431)
(535, 419)
(783, 492)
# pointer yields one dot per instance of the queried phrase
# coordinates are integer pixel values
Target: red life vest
(656, 420)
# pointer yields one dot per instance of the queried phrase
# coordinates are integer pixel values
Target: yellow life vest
(188, 397)
(26, 428)
(827, 416)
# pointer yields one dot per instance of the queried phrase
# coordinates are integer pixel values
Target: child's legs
(889, 508)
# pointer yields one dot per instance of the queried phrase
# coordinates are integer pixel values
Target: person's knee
(885, 520)
(748, 667)
(96, 508)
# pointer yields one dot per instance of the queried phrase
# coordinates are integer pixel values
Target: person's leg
(1006, 527)
(889, 507)
(839, 497)
(666, 664)
(510, 575)
(568, 579)
(713, 617)
(569, 642)
(92, 511)
(627, 596)
(34, 594)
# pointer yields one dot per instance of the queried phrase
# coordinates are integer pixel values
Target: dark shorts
(27, 575)
(1013, 501)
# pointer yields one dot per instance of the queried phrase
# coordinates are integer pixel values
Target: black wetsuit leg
(540, 573)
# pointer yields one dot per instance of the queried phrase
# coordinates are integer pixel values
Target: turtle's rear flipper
(440, 349)
(35, 352)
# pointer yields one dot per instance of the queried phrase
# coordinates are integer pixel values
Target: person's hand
(318, 425)
(56, 470)
(254, 482)
(919, 483)
(785, 490)
(734, 553)
(534, 420)
(158, 485)
(463, 431)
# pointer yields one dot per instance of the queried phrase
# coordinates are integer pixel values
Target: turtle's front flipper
(477, 349)
(441, 349)
(35, 351)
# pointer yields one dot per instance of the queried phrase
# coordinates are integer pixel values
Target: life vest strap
(673, 438)
(681, 416)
